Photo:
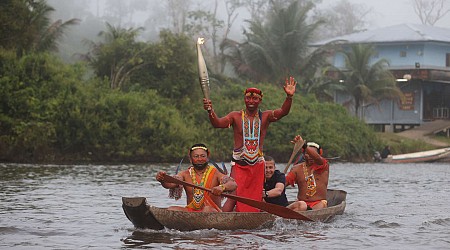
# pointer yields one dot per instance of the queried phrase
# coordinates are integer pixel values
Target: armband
(320, 168)
(290, 179)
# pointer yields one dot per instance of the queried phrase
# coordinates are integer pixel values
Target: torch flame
(200, 40)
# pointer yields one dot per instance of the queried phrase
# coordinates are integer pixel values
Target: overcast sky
(391, 12)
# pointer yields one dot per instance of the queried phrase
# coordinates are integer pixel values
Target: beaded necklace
(198, 195)
(310, 181)
(251, 135)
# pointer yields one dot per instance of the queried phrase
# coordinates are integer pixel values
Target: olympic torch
(202, 71)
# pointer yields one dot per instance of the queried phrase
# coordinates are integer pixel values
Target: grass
(402, 145)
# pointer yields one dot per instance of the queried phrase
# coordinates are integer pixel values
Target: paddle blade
(268, 207)
(297, 146)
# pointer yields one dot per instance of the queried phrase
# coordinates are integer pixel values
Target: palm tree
(278, 46)
(367, 82)
(117, 56)
(41, 33)
(32, 29)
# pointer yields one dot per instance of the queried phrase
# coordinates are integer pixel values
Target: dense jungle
(131, 98)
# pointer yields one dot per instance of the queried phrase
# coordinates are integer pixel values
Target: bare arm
(227, 184)
(313, 153)
(224, 122)
(277, 191)
(289, 89)
(160, 178)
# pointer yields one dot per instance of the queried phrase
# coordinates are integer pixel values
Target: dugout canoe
(146, 216)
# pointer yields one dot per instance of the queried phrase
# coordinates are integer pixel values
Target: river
(403, 206)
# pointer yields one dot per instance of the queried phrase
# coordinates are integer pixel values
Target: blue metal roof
(395, 34)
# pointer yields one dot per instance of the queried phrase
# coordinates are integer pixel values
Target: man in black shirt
(274, 184)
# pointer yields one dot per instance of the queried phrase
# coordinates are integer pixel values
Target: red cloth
(313, 203)
(320, 168)
(290, 179)
(250, 182)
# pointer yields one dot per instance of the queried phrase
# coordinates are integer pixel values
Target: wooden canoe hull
(423, 156)
(143, 215)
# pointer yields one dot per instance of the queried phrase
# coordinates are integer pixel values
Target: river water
(79, 207)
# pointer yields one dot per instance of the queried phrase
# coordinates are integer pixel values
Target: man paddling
(311, 177)
(250, 128)
(274, 185)
(202, 174)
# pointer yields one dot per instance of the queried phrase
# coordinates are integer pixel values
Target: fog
(154, 15)
(391, 12)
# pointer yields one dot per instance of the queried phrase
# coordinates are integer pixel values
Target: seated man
(274, 184)
(202, 174)
(386, 152)
(311, 177)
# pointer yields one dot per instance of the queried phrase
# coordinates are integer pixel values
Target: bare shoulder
(297, 167)
(218, 174)
(267, 113)
(185, 174)
(236, 113)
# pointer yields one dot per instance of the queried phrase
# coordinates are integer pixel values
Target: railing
(440, 113)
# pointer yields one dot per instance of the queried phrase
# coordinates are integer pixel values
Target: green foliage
(54, 112)
(324, 123)
(170, 67)
(29, 90)
(118, 55)
(27, 28)
(402, 145)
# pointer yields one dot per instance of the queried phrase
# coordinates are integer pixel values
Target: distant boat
(423, 156)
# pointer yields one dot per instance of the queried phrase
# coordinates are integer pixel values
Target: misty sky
(391, 12)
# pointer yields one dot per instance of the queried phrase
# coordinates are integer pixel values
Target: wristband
(266, 194)
(305, 145)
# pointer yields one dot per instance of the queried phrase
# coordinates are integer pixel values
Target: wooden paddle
(297, 146)
(268, 207)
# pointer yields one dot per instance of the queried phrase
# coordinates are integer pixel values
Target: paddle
(297, 146)
(268, 207)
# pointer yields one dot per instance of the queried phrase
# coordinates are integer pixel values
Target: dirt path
(426, 130)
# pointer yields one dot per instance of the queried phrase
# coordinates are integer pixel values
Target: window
(402, 53)
(447, 60)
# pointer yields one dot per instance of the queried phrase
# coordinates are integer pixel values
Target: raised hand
(207, 105)
(289, 86)
(298, 140)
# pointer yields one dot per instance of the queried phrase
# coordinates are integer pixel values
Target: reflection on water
(79, 206)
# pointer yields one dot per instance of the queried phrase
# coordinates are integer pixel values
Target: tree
(366, 82)
(343, 18)
(29, 27)
(277, 47)
(117, 11)
(178, 13)
(169, 67)
(117, 56)
(430, 11)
